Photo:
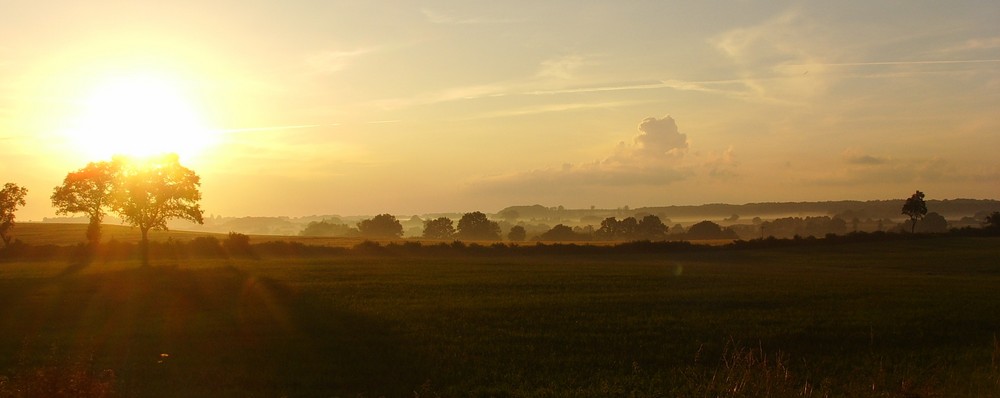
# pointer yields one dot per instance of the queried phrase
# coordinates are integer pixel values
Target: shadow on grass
(168, 331)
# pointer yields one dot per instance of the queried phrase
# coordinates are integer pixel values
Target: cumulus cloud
(852, 156)
(659, 137)
(656, 157)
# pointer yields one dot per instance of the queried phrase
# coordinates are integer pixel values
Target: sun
(138, 115)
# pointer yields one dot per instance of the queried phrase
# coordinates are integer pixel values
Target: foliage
(993, 221)
(709, 230)
(788, 227)
(649, 228)
(517, 234)
(561, 233)
(439, 228)
(475, 226)
(11, 198)
(151, 191)
(381, 226)
(89, 191)
(915, 208)
(328, 228)
(932, 223)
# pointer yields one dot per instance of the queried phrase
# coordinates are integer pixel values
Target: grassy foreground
(903, 318)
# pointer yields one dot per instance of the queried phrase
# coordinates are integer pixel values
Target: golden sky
(349, 107)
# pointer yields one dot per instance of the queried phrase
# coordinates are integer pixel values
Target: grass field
(903, 318)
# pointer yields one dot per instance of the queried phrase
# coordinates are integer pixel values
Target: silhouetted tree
(517, 234)
(628, 229)
(439, 228)
(475, 226)
(328, 228)
(608, 229)
(381, 226)
(87, 191)
(151, 191)
(558, 233)
(993, 221)
(510, 215)
(915, 208)
(933, 223)
(708, 230)
(237, 243)
(11, 198)
(650, 227)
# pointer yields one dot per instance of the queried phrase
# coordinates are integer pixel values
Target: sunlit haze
(346, 107)
(138, 116)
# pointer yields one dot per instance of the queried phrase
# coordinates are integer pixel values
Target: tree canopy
(439, 228)
(150, 191)
(650, 227)
(560, 233)
(89, 191)
(384, 226)
(11, 198)
(709, 230)
(915, 208)
(517, 234)
(475, 226)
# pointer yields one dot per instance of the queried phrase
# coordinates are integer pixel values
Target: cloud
(331, 61)
(852, 156)
(550, 108)
(655, 157)
(659, 137)
(983, 43)
(866, 169)
(560, 67)
(723, 165)
(776, 60)
(440, 18)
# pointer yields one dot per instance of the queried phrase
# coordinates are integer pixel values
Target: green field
(902, 318)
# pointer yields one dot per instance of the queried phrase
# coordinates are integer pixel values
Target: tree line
(144, 193)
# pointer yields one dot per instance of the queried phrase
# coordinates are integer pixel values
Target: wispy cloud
(853, 156)
(276, 128)
(562, 67)
(330, 61)
(895, 63)
(983, 43)
(437, 17)
(561, 107)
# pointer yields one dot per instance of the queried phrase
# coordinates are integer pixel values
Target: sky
(295, 108)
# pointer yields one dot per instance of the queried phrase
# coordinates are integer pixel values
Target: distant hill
(875, 209)
(539, 218)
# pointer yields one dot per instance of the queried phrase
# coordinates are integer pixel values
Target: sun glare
(138, 115)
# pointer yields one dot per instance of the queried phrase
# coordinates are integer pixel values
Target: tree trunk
(913, 225)
(144, 247)
(94, 233)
